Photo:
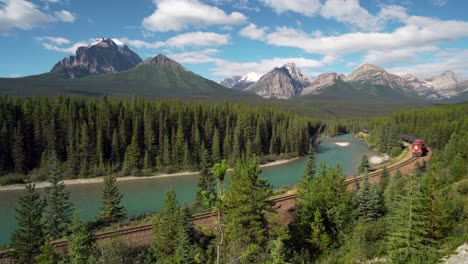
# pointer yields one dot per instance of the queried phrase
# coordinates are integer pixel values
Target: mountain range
(367, 80)
(107, 68)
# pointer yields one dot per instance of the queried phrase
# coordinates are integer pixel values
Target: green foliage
(408, 236)
(369, 201)
(113, 251)
(364, 166)
(47, 254)
(328, 205)
(110, 209)
(171, 232)
(277, 252)
(205, 185)
(80, 245)
(58, 210)
(28, 235)
(245, 206)
(91, 135)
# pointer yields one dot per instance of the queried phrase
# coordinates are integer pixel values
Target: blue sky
(221, 38)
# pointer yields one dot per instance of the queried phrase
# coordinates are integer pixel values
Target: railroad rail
(61, 245)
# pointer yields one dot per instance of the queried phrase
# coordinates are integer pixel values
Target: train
(418, 148)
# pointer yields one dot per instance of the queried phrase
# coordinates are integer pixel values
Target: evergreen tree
(277, 252)
(206, 183)
(80, 245)
(368, 202)
(19, 149)
(364, 166)
(216, 148)
(319, 238)
(245, 206)
(166, 229)
(384, 174)
(58, 210)
(110, 209)
(85, 150)
(132, 157)
(458, 168)
(115, 148)
(310, 167)
(47, 254)
(28, 235)
(409, 229)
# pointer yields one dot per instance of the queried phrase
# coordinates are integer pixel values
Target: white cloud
(253, 32)
(14, 75)
(192, 39)
(223, 68)
(70, 49)
(305, 7)
(56, 40)
(350, 12)
(65, 16)
(417, 31)
(25, 15)
(439, 2)
(404, 55)
(22, 15)
(175, 15)
(455, 60)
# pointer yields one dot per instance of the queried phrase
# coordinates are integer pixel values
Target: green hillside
(148, 81)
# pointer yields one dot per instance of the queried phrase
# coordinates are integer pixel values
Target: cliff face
(377, 75)
(321, 82)
(101, 57)
(283, 83)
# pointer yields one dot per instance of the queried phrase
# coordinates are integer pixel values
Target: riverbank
(45, 184)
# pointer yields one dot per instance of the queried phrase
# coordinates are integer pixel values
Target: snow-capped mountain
(102, 56)
(241, 82)
(282, 83)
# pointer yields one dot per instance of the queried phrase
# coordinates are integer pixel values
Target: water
(146, 195)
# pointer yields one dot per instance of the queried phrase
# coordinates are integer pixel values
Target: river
(146, 195)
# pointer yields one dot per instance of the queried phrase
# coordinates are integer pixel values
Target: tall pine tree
(58, 210)
(28, 235)
(110, 209)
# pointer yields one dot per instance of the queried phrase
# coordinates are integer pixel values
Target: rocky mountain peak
(100, 57)
(283, 82)
(322, 81)
(241, 82)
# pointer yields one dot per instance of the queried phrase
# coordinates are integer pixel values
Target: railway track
(60, 245)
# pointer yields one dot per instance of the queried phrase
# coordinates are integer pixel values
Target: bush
(12, 178)
(395, 151)
(463, 188)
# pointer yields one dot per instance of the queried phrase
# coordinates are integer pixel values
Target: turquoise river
(146, 195)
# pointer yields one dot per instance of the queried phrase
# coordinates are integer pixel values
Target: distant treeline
(99, 136)
(437, 125)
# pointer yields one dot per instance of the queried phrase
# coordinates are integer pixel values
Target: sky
(221, 38)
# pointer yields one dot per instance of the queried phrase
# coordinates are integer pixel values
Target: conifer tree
(79, 242)
(132, 157)
(84, 151)
(384, 174)
(110, 209)
(319, 238)
(216, 148)
(364, 166)
(458, 168)
(369, 208)
(166, 229)
(58, 210)
(278, 252)
(409, 229)
(310, 167)
(246, 204)
(47, 254)
(19, 149)
(115, 148)
(28, 235)
(206, 183)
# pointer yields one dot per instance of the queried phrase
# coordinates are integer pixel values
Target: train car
(418, 148)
